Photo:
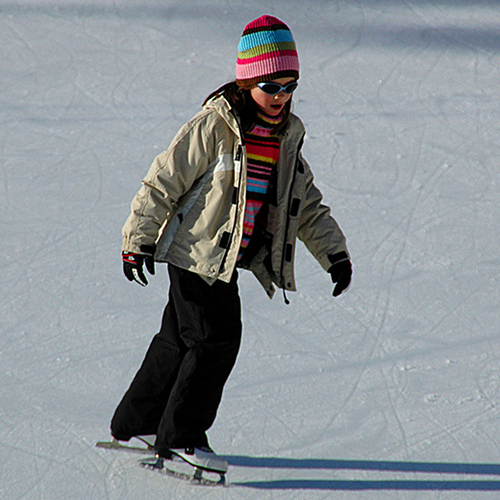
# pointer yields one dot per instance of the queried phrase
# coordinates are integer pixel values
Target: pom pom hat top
(266, 52)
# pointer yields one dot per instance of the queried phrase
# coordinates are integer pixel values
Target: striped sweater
(263, 149)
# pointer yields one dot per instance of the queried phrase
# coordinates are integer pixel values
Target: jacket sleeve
(170, 176)
(317, 228)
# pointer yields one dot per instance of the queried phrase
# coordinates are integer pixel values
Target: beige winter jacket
(192, 204)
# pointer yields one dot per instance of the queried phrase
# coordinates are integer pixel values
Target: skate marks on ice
(464, 475)
(457, 470)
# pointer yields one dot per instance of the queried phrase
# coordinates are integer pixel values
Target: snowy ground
(388, 392)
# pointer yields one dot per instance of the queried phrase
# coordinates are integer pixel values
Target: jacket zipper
(237, 158)
(287, 225)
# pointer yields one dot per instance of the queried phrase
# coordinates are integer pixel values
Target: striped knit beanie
(266, 51)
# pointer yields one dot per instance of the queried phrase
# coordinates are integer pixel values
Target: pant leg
(142, 406)
(209, 318)
(178, 388)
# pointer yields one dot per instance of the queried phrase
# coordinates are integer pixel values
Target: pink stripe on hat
(266, 70)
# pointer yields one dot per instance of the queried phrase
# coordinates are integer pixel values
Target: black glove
(133, 264)
(340, 271)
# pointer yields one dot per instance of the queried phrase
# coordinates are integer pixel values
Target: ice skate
(202, 458)
(190, 464)
(146, 445)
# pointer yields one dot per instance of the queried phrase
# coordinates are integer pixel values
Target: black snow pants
(178, 388)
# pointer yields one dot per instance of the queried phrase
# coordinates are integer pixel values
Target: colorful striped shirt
(263, 149)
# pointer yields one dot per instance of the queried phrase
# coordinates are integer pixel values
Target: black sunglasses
(273, 88)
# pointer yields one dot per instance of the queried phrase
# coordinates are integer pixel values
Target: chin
(274, 111)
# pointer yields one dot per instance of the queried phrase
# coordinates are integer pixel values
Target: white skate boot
(202, 458)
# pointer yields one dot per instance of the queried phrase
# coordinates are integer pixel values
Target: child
(232, 191)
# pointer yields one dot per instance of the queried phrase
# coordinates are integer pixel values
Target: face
(272, 105)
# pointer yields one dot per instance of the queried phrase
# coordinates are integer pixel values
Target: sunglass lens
(271, 88)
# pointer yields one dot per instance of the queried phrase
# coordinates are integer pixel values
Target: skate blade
(116, 445)
(180, 469)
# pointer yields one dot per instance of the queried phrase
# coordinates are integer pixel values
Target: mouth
(276, 107)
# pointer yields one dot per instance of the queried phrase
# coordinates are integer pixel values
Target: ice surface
(389, 391)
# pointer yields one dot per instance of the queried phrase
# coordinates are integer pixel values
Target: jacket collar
(295, 128)
(220, 104)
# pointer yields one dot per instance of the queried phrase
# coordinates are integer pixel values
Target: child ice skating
(232, 192)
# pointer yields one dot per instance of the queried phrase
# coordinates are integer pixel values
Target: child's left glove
(340, 271)
(133, 264)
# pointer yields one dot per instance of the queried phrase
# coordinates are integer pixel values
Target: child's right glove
(340, 271)
(133, 264)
